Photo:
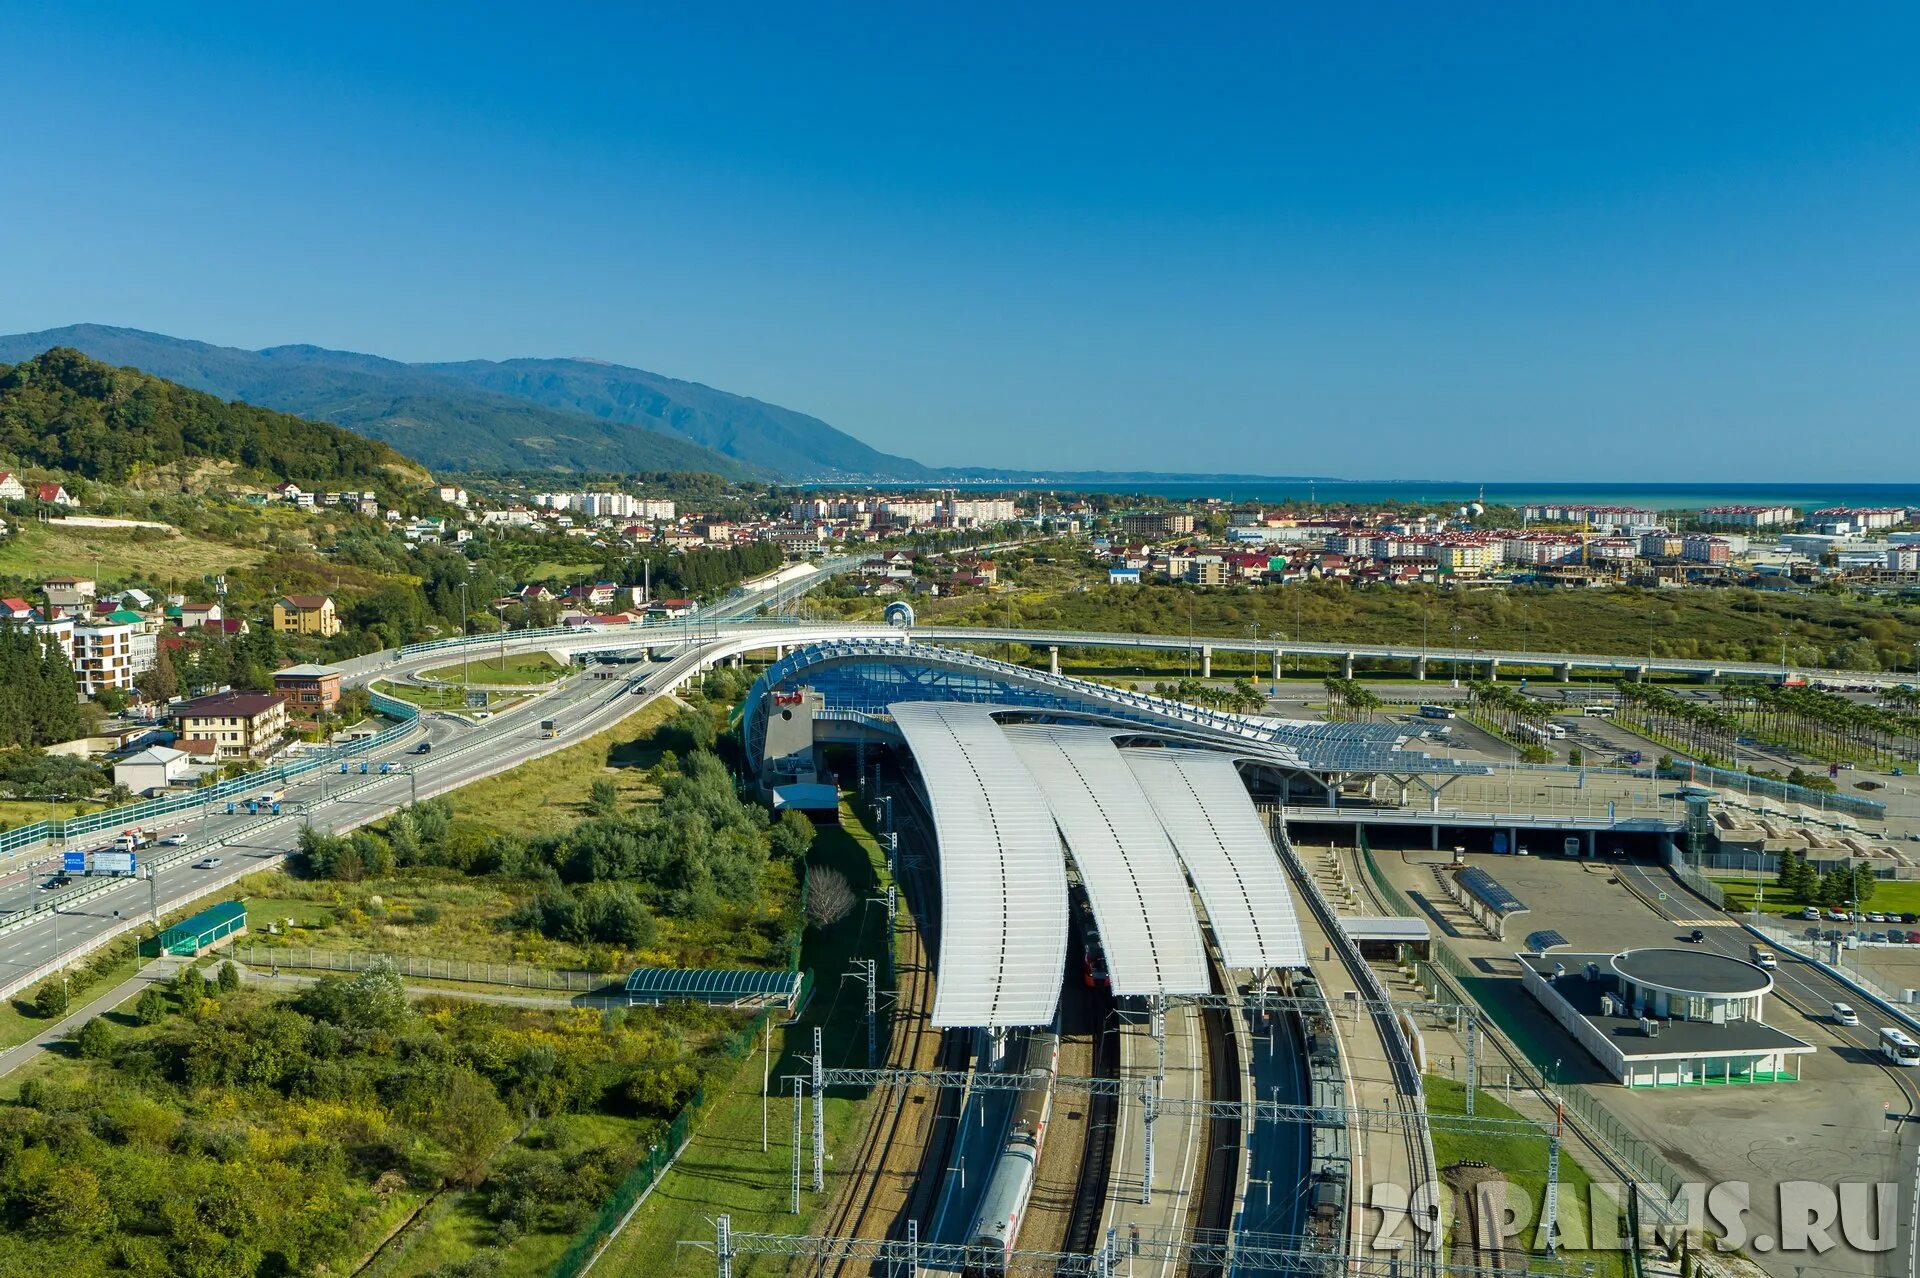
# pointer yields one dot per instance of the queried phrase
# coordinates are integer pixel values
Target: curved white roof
(1206, 811)
(1133, 879)
(1003, 882)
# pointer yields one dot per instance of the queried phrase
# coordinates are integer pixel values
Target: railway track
(1096, 1157)
(1219, 1171)
(883, 1188)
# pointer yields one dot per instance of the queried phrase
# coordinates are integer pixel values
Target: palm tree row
(1828, 725)
(1350, 696)
(1504, 705)
(1699, 729)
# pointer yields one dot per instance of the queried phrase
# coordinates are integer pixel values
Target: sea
(1807, 496)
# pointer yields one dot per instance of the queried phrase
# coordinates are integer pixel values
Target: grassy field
(18, 812)
(522, 668)
(722, 1168)
(1845, 631)
(43, 550)
(433, 698)
(1523, 1161)
(1901, 897)
(548, 794)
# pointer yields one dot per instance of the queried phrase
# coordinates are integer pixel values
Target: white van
(1844, 1015)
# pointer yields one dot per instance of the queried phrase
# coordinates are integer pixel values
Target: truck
(132, 840)
(1762, 957)
(548, 729)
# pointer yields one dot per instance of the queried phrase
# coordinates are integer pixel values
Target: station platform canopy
(1132, 877)
(1003, 881)
(1205, 809)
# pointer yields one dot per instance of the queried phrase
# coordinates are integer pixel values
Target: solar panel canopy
(1487, 890)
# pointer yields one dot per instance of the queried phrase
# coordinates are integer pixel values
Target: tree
(829, 897)
(96, 1039)
(792, 835)
(158, 682)
(151, 1007)
(50, 1000)
(1574, 757)
(603, 798)
(229, 978)
(368, 1000)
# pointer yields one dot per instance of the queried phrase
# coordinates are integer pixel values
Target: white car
(173, 839)
(1844, 1015)
(207, 863)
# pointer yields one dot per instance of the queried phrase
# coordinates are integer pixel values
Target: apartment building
(241, 725)
(104, 653)
(306, 615)
(309, 689)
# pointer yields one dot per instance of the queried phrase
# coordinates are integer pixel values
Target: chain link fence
(517, 975)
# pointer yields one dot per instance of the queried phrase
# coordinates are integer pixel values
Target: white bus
(1898, 1048)
(1597, 711)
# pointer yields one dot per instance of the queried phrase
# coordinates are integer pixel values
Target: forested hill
(63, 411)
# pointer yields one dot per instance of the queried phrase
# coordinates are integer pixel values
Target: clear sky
(1550, 241)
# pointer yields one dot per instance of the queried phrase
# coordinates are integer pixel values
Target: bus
(1898, 1048)
(1597, 711)
(1436, 712)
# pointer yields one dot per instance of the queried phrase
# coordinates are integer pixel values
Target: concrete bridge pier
(1639, 674)
(1053, 659)
(1420, 666)
(1206, 661)
(1493, 670)
(1346, 666)
(1564, 672)
(1276, 665)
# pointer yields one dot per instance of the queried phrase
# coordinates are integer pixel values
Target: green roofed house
(735, 988)
(199, 932)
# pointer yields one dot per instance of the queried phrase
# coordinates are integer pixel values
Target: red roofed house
(55, 495)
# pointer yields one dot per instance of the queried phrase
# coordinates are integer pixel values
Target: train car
(995, 1229)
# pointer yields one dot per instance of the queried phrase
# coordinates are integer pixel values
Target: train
(990, 1242)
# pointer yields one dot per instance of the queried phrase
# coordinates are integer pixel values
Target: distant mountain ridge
(524, 414)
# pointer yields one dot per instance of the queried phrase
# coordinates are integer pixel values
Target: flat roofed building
(310, 688)
(1666, 1017)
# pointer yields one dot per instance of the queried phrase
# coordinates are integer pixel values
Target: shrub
(151, 1007)
(229, 978)
(96, 1039)
(50, 1000)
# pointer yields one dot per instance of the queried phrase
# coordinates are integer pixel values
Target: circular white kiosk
(1690, 985)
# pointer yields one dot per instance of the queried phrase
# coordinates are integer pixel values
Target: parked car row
(1892, 936)
(1813, 914)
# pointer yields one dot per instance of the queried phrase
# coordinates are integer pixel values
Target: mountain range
(518, 414)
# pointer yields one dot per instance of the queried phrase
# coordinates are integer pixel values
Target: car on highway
(207, 863)
(56, 882)
(425, 747)
(1696, 936)
(173, 838)
(1844, 1015)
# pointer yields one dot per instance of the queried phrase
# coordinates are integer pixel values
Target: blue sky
(1603, 241)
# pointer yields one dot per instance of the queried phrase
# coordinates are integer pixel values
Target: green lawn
(101, 973)
(521, 668)
(1901, 897)
(722, 1169)
(1523, 1160)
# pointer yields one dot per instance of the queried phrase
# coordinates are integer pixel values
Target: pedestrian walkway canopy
(201, 931)
(1482, 896)
(726, 987)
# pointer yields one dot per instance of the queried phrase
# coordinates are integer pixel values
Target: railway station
(1152, 1024)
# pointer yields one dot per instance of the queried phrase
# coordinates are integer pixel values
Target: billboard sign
(73, 863)
(113, 863)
